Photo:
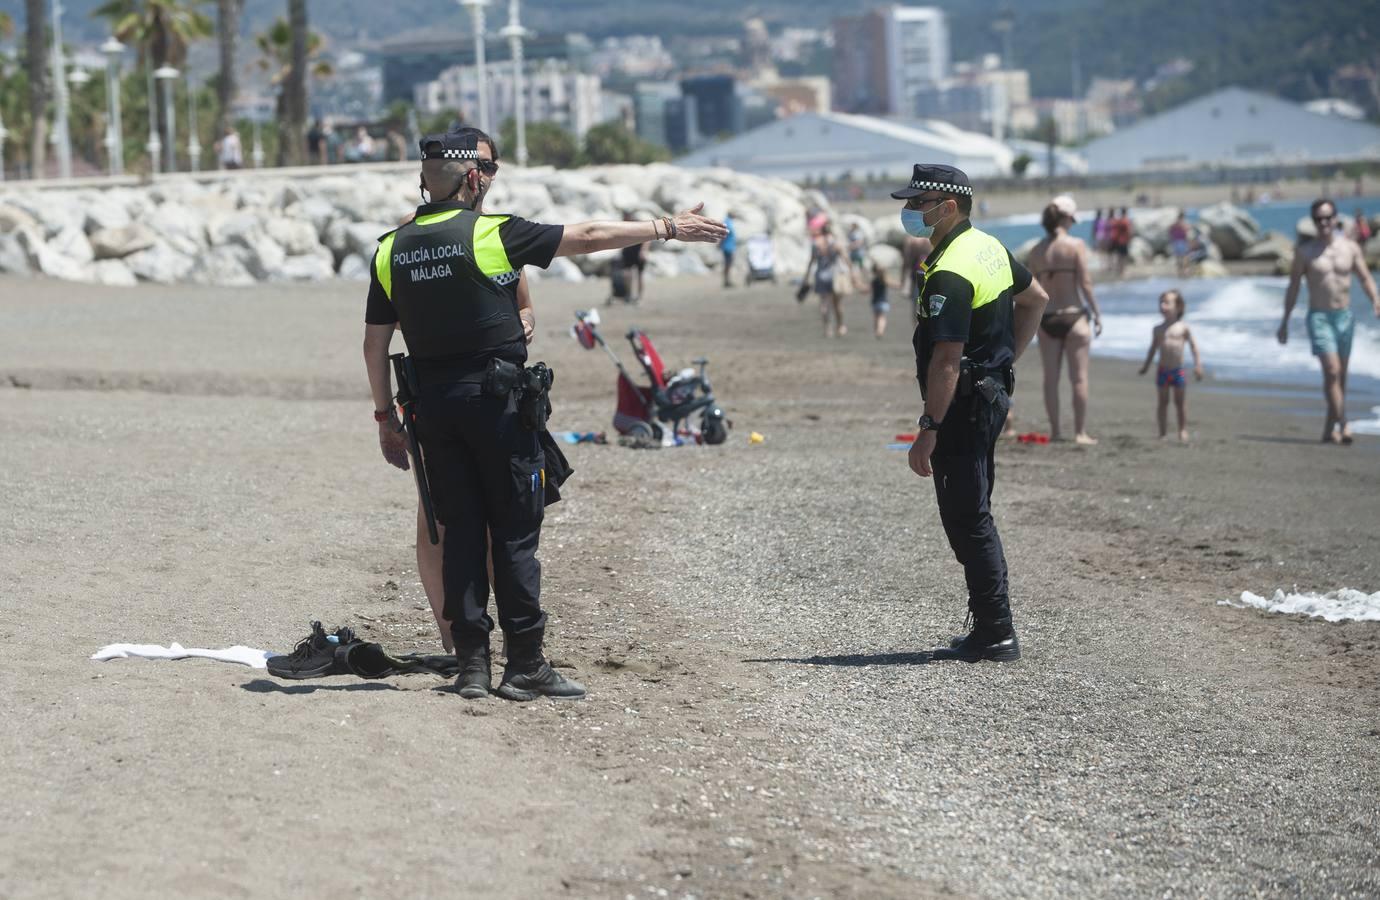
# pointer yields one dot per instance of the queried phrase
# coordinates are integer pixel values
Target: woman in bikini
(1060, 262)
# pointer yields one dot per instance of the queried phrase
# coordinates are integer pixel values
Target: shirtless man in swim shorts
(1329, 260)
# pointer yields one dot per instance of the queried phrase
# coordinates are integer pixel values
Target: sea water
(1235, 320)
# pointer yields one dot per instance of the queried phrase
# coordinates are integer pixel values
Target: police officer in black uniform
(978, 309)
(449, 277)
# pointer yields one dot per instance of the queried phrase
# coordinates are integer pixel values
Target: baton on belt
(406, 378)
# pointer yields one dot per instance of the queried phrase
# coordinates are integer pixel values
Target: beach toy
(755, 438)
(904, 437)
(1033, 437)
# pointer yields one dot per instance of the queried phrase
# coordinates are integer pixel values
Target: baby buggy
(761, 259)
(672, 400)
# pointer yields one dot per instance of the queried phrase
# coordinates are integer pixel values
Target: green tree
(161, 30)
(295, 88)
(548, 144)
(612, 144)
(1020, 164)
(275, 58)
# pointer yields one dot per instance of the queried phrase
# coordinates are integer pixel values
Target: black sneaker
(313, 657)
(543, 681)
(475, 679)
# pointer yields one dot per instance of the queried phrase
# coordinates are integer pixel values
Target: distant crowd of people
(327, 144)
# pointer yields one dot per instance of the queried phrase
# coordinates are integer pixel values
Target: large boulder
(15, 218)
(886, 256)
(15, 257)
(309, 267)
(1153, 226)
(1210, 268)
(101, 211)
(160, 263)
(71, 242)
(1230, 228)
(1140, 251)
(221, 266)
(1305, 229)
(363, 237)
(119, 242)
(237, 227)
(50, 262)
(564, 269)
(355, 268)
(261, 255)
(296, 236)
(1270, 248)
(180, 227)
(887, 230)
(112, 272)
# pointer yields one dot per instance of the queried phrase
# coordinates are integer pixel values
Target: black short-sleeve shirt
(526, 243)
(987, 333)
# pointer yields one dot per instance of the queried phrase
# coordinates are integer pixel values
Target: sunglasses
(919, 203)
(487, 167)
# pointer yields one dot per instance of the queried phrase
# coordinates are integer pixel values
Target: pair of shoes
(538, 681)
(475, 680)
(315, 655)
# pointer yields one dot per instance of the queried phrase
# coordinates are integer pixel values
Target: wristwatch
(927, 423)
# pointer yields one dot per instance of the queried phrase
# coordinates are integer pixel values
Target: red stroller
(670, 400)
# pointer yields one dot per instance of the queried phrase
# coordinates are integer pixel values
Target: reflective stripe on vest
(489, 252)
(982, 260)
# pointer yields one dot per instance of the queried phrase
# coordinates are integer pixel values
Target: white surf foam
(1368, 426)
(1345, 605)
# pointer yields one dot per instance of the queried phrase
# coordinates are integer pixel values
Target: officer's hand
(528, 327)
(393, 444)
(693, 227)
(920, 452)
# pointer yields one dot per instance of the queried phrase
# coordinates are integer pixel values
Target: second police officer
(449, 277)
(978, 309)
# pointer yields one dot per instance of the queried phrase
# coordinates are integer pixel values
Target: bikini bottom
(1058, 325)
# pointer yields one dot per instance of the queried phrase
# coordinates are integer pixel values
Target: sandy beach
(199, 465)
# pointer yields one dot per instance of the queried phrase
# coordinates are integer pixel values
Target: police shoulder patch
(936, 303)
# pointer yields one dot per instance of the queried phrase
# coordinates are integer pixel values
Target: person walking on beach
(728, 246)
(229, 152)
(634, 260)
(1169, 338)
(1178, 244)
(1119, 233)
(880, 305)
(1060, 263)
(830, 265)
(448, 277)
(1329, 260)
(978, 310)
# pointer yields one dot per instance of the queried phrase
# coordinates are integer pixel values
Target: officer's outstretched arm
(689, 226)
(1030, 305)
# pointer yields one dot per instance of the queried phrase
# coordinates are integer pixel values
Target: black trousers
(487, 477)
(964, 464)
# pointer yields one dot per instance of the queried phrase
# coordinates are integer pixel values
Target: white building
(1233, 127)
(917, 49)
(555, 93)
(830, 145)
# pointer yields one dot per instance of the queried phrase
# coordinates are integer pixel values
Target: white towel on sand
(245, 656)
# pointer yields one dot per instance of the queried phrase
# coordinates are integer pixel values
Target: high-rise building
(650, 99)
(718, 108)
(885, 59)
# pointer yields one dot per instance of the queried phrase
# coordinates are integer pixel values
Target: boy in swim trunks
(1329, 260)
(1169, 338)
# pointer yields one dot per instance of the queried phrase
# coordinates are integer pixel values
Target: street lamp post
(114, 130)
(257, 153)
(514, 32)
(476, 8)
(62, 134)
(155, 143)
(168, 75)
(193, 142)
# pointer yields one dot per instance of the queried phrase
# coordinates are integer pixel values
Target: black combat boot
(528, 675)
(991, 639)
(474, 681)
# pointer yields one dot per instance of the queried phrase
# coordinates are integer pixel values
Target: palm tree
(275, 57)
(35, 64)
(296, 88)
(161, 29)
(228, 35)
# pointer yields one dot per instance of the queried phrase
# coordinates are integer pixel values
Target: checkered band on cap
(940, 186)
(452, 154)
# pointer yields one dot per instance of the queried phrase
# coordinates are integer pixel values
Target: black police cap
(451, 145)
(944, 179)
